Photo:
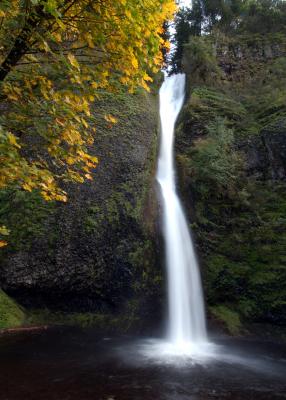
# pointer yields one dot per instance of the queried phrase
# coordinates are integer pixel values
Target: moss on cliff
(129, 318)
(25, 214)
(230, 318)
(231, 160)
(84, 256)
(11, 314)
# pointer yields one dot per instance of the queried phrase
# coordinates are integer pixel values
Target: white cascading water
(187, 327)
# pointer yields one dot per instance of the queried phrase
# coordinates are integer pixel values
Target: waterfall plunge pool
(74, 364)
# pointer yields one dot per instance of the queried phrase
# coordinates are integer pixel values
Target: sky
(182, 3)
(185, 2)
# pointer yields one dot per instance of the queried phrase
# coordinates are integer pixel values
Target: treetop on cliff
(231, 17)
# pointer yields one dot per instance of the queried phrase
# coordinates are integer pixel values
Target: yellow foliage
(75, 51)
(73, 61)
(3, 232)
(13, 140)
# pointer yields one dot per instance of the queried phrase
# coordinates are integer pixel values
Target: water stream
(187, 326)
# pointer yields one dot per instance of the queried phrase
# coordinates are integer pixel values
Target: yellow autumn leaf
(128, 14)
(85, 124)
(70, 160)
(44, 46)
(94, 159)
(146, 77)
(27, 187)
(89, 39)
(88, 176)
(13, 140)
(12, 96)
(110, 118)
(57, 37)
(134, 62)
(73, 61)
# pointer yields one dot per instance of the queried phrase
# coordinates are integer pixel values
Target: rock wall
(99, 250)
(230, 143)
(266, 153)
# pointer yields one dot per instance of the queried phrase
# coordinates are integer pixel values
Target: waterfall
(187, 325)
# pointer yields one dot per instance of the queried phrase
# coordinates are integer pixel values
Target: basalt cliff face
(231, 157)
(98, 252)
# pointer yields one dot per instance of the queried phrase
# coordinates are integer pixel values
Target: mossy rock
(228, 317)
(11, 314)
(73, 257)
(234, 190)
(83, 320)
(103, 322)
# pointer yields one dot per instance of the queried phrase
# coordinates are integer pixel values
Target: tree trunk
(21, 44)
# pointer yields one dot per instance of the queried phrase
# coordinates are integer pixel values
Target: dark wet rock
(274, 140)
(91, 252)
(266, 153)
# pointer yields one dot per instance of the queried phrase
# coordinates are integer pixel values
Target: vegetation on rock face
(229, 317)
(97, 253)
(11, 314)
(26, 214)
(106, 322)
(232, 166)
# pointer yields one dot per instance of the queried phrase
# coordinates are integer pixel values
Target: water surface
(71, 364)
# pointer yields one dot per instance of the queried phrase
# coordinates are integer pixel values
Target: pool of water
(72, 364)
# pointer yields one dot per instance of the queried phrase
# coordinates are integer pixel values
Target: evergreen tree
(228, 16)
(188, 22)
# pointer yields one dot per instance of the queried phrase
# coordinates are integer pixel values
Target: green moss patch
(11, 314)
(25, 215)
(122, 322)
(230, 318)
